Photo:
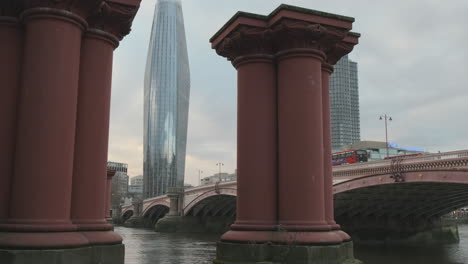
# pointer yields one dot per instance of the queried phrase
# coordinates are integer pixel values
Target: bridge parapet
(447, 160)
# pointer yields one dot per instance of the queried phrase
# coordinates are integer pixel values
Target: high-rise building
(344, 100)
(166, 101)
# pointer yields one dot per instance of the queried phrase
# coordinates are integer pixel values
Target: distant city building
(135, 189)
(377, 150)
(136, 181)
(119, 186)
(344, 103)
(219, 177)
(166, 101)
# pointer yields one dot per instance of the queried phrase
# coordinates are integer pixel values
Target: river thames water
(143, 246)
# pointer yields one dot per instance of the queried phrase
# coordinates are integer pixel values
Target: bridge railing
(410, 163)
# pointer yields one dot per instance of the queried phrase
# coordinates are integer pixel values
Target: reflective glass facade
(166, 101)
(344, 100)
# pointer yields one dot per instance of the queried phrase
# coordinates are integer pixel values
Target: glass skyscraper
(344, 97)
(166, 101)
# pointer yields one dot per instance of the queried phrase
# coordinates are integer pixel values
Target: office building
(344, 103)
(166, 101)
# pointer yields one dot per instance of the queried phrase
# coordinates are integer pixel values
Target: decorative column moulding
(83, 8)
(114, 17)
(342, 48)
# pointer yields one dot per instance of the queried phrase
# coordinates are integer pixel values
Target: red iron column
(300, 40)
(92, 130)
(10, 67)
(300, 140)
(327, 69)
(333, 55)
(46, 121)
(251, 54)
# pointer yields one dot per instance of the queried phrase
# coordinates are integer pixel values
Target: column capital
(114, 17)
(290, 34)
(246, 41)
(82, 8)
(342, 48)
(326, 67)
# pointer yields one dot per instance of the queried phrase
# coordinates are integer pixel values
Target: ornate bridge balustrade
(448, 160)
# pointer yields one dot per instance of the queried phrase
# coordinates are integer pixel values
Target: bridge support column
(300, 41)
(92, 130)
(108, 215)
(55, 69)
(10, 66)
(176, 195)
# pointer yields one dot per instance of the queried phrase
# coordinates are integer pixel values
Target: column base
(285, 237)
(113, 254)
(267, 253)
(57, 240)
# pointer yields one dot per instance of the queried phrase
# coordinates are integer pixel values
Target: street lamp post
(219, 164)
(199, 179)
(389, 118)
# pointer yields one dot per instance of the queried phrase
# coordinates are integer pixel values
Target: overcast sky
(412, 59)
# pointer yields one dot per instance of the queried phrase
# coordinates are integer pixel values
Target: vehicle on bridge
(349, 157)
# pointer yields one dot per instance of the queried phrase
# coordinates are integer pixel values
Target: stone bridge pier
(284, 195)
(55, 74)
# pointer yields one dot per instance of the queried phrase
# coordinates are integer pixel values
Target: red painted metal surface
(10, 67)
(256, 144)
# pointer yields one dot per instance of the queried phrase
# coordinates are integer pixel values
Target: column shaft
(10, 67)
(301, 174)
(327, 160)
(41, 191)
(92, 131)
(256, 144)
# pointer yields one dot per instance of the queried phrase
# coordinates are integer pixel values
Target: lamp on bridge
(219, 164)
(389, 118)
(199, 179)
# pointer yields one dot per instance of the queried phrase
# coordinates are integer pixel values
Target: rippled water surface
(147, 247)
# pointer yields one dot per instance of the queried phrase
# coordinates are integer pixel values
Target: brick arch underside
(154, 213)
(216, 205)
(423, 195)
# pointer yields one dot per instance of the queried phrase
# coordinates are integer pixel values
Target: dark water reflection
(147, 247)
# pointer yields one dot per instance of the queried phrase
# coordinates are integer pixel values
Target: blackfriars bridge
(403, 195)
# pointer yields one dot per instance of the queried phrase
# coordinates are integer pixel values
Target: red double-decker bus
(349, 157)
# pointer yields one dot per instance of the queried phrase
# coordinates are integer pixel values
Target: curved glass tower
(166, 101)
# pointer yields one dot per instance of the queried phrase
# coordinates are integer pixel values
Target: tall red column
(256, 143)
(333, 55)
(10, 66)
(300, 41)
(46, 121)
(327, 69)
(256, 135)
(301, 140)
(92, 130)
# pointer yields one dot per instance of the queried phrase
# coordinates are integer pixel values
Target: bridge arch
(419, 195)
(154, 212)
(127, 214)
(216, 202)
